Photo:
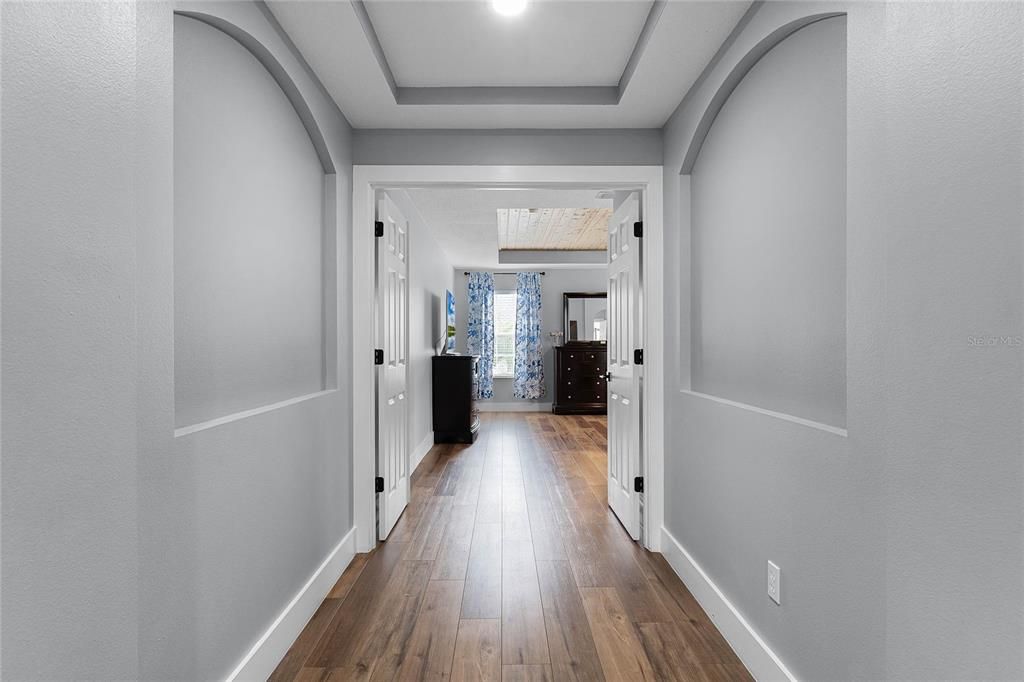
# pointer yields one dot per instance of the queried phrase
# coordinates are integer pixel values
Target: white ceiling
(469, 44)
(457, 64)
(464, 221)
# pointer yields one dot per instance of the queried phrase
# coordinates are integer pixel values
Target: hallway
(508, 564)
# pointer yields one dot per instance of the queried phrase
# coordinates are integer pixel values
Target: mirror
(586, 317)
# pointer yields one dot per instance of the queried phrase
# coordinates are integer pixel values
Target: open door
(624, 362)
(392, 359)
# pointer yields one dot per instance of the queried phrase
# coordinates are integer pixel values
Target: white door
(392, 358)
(624, 375)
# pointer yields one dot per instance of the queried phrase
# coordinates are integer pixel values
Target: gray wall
(769, 235)
(129, 553)
(553, 285)
(248, 234)
(892, 538)
(241, 514)
(531, 147)
(430, 276)
(70, 345)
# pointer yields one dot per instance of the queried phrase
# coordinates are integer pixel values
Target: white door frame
(367, 179)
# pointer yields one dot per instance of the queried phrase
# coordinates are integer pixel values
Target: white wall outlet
(774, 583)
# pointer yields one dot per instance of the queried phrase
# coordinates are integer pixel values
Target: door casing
(367, 179)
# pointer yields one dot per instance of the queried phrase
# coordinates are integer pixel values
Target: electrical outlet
(774, 583)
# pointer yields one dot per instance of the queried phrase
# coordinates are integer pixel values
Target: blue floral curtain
(529, 379)
(480, 330)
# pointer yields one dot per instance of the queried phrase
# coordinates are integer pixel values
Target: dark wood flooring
(508, 565)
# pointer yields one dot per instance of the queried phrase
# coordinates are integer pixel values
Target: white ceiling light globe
(509, 8)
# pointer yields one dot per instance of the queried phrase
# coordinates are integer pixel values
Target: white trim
(521, 406)
(417, 455)
(653, 453)
(267, 652)
(768, 413)
(245, 414)
(756, 655)
(366, 179)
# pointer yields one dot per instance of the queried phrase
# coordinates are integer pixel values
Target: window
(504, 334)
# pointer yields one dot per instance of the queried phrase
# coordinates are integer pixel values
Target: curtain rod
(507, 273)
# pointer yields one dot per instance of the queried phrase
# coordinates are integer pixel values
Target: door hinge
(378, 228)
(638, 484)
(378, 484)
(378, 356)
(638, 229)
(638, 356)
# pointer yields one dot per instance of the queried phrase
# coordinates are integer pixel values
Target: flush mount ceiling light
(509, 8)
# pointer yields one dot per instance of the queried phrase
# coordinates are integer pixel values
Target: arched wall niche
(254, 267)
(764, 177)
(279, 73)
(733, 79)
(212, 493)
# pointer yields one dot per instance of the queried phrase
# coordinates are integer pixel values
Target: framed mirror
(586, 317)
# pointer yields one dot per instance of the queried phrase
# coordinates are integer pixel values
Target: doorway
(645, 182)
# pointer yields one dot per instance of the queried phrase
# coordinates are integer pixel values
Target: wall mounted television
(449, 344)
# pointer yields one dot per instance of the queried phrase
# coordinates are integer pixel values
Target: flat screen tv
(449, 343)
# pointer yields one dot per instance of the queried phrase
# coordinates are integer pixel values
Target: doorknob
(607, 376)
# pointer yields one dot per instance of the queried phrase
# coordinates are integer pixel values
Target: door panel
(392, 313)
(624, 386)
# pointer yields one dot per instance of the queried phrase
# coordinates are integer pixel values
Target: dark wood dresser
(456, 418)
(579, 380)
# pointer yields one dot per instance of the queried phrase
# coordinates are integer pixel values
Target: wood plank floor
(508, 565)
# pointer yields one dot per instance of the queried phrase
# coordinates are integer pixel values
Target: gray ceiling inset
(461, 52)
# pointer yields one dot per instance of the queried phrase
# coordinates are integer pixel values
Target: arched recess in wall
(279, 73)
(766, 171)
(255, 229)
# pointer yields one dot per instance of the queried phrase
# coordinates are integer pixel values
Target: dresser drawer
(584, 355)
(586, 395)
(581, 384)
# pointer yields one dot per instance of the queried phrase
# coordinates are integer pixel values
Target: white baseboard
(760, 660)
(417, 455)
(520, 406)
(269, 649)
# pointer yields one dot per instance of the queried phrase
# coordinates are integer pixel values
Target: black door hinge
(378, 356)
(638, 229)
(638, 356)
(638, 484)
(378, 228)
(378, 484)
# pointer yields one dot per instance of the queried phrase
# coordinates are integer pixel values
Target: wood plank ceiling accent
(553, 229)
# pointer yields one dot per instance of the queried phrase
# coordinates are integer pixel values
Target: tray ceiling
(457, 64)
(564, 44)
